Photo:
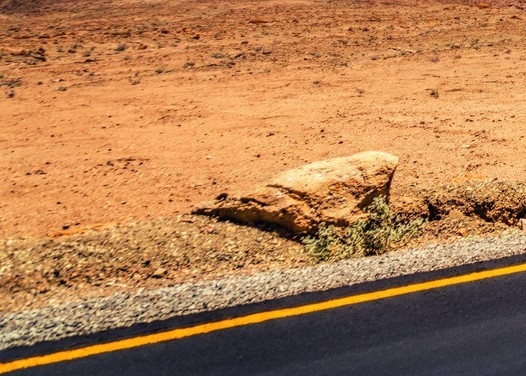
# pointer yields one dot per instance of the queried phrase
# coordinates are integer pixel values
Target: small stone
(522, 224)
(463, 232)
(159, 273)
(209, 230)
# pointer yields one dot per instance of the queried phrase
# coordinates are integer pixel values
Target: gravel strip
(121, 310)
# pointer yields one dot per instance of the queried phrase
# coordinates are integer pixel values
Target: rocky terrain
(120, 117)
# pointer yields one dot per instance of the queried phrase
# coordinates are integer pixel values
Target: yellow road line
(253, 319)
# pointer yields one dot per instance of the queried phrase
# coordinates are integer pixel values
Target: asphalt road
(476, 328)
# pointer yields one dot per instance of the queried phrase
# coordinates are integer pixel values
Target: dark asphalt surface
(477, 328)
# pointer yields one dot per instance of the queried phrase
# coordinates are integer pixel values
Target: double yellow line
(253, 319)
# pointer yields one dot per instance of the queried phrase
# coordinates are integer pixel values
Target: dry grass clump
(380, 232)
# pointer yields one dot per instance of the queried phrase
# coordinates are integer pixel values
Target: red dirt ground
(143, 109)
(124, 111)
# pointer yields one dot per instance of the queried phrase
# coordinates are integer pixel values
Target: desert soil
(118, 117)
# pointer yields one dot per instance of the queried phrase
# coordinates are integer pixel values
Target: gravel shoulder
(125, 309)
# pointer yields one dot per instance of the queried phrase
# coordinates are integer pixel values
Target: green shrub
(379, 232)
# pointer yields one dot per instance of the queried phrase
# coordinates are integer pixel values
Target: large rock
(333, 191)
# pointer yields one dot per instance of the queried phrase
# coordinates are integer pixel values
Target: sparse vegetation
(380, 232)
(10, 82)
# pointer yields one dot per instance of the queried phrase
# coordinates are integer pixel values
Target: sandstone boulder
(332, 191)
